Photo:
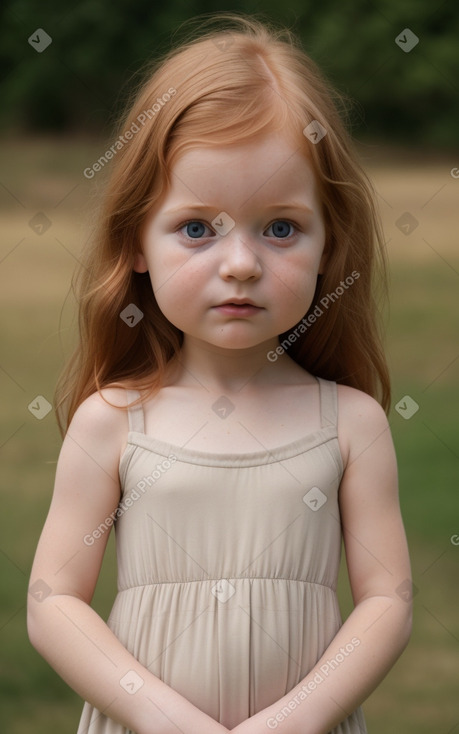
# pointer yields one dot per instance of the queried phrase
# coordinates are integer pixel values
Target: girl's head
(232, 85)
(239, 223)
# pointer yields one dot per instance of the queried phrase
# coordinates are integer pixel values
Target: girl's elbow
(36, 623)
(33, 627)
(406, 625)
(409, 625)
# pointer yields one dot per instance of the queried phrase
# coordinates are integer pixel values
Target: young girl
(222, 413)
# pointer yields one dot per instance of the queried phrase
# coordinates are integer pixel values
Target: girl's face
(239, 225)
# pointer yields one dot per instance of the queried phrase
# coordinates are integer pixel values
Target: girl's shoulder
(361, 421)
(353, 402)
(102, 419)
(104, 404)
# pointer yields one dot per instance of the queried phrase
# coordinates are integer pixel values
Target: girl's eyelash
(288, 221)
(192, 221)
(201, 221)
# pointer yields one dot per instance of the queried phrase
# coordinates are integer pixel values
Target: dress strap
(135, 413)
(328, 402)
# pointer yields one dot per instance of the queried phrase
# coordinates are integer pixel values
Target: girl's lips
(238, 309)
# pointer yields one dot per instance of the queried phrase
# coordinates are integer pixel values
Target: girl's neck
(226, 371)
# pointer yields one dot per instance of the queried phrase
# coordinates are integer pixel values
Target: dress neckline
(221, 458)
(326, 432)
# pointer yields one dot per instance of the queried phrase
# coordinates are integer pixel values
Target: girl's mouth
(238, 309)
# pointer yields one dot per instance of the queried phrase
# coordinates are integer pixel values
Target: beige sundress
(227, 568)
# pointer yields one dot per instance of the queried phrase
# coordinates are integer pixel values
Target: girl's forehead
(269, 148)
(262, 165)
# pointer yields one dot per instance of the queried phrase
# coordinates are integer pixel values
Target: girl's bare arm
(378, 629)
(62, 626)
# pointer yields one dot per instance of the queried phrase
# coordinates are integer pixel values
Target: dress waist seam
(229, 578)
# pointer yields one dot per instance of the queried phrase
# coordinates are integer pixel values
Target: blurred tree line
(80, 82)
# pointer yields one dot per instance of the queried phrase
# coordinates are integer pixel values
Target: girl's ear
(140, 264)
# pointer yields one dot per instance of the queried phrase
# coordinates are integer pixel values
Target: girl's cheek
(299, 268)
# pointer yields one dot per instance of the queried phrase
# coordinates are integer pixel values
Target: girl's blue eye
(194, 229)
(280, 229)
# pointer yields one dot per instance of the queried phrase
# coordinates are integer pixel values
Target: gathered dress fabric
(228, 567)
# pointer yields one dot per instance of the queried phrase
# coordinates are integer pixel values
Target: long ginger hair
(236, 79)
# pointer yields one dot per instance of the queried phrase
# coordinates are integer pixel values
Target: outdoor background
(59, 105)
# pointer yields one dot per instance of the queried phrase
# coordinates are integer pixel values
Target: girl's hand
(198, 723)
(254, 725)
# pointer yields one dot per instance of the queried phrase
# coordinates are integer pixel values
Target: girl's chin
(232, 343)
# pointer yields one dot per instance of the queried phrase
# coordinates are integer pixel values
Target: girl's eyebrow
(205, 207)
(291, 205)
(189, 207)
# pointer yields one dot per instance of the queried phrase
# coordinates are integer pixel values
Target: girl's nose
(239, 259)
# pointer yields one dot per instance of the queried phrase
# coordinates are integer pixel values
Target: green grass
(419, 694)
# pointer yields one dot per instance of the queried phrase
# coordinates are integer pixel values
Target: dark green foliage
(82, 80)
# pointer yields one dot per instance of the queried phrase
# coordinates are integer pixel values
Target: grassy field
(419, 696)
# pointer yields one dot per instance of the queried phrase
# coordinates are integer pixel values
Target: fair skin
(193, 269)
